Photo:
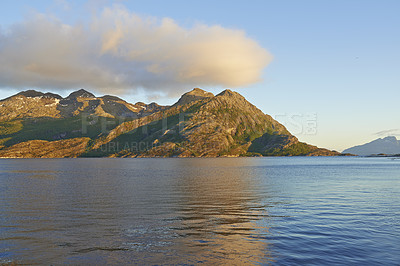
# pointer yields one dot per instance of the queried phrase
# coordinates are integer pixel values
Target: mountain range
(200, 124)
(388, 145)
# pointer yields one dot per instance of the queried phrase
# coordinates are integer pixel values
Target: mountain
(34, 104)
(199, 124)
(193, 95)
(389, 145)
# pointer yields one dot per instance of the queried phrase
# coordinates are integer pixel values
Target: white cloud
(389, 132)
(119, 51)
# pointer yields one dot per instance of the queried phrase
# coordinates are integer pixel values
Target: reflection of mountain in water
(218, 213)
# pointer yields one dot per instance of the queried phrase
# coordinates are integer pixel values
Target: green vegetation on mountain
(55, 129)
(10, 127)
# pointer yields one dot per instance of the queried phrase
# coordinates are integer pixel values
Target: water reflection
(217, 212)
(126, 211)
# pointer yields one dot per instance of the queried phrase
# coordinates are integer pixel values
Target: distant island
(388, 146)
(45, 125)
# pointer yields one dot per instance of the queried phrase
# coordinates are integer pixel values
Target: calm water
(283, 211)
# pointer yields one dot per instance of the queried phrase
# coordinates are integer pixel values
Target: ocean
(185, 211)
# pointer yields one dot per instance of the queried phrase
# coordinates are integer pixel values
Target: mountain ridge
(388, 145)
(199, 124)
(35, 104)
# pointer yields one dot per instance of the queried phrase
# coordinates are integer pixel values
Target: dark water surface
(283, 211)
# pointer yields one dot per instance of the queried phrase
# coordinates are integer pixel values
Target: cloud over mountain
(389, 132)
(119, 51)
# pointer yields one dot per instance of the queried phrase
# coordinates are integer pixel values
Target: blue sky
(334, 79)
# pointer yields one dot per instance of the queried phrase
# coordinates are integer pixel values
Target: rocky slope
(46, 149)
(198, 125)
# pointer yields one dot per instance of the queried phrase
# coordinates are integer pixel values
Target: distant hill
(199, 124)
(389, 145)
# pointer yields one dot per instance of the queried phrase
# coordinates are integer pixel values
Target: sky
(328, 70)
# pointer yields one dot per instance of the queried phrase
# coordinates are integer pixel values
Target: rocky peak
(229, 93)
(390, 139)
(29, 103)
(140, 104)
(199, 92)
(30, 93)
(111, 98)
(193, 95)
(33, 94)
(81, 93)
(234, 99)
